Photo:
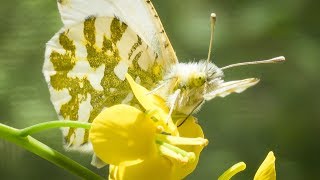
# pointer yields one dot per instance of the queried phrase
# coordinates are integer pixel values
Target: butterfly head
(194, 75)
(198, 80)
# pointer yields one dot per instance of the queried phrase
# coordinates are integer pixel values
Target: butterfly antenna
(268, 61)
(213, 22)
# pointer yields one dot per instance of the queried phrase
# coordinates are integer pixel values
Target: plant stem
(53, 124)
(44, 151)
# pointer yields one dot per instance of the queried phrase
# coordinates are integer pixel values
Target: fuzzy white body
(186, 86)
(191, 80)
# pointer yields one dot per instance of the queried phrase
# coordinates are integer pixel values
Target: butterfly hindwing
(85, 67)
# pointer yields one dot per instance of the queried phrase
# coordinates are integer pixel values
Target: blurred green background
(281, 113)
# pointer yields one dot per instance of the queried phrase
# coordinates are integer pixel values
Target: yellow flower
(119, 128)
(266, 170)
(141, 145)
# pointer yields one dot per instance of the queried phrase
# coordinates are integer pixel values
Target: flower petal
(267, 170)
(155, 168)
(147, 100)
(123, 134)
(189, 129)
(152, 102)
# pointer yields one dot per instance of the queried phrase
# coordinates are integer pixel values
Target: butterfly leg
(172, 103)
(193, 110)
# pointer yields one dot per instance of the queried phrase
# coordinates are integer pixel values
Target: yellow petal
(123, 134)
(155, 168)
(152, 102)
(147, 100)
(235, 169)
(190, 128)
(267, 170)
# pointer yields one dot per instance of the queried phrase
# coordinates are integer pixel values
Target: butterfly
(101, 41)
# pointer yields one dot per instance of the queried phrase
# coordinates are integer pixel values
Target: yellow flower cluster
(139, 144)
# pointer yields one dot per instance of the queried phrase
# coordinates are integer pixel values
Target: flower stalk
(22, 139)
(52, 124)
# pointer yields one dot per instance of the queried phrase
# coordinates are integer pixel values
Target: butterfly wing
(86, 61)
(226, 88)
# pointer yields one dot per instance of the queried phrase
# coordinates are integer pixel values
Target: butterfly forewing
(85, 67)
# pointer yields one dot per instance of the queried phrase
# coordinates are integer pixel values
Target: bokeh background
(281, 113)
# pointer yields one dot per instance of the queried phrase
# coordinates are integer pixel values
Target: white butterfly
(102, 40)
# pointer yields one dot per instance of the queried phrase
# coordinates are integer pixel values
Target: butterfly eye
(198, 80)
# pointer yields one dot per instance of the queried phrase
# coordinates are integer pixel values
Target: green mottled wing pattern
(85, 67)
(86, 61)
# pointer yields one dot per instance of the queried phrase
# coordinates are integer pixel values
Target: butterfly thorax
(184, 85)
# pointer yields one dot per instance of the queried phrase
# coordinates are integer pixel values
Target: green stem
(44, 151)
(53, 124)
